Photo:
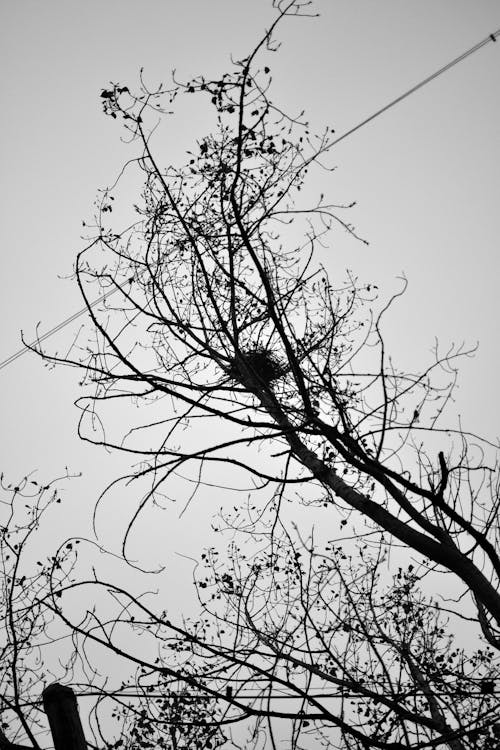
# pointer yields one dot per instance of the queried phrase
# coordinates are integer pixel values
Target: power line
(252, 695)
(490, 38)
(58, 327)
(444, 69)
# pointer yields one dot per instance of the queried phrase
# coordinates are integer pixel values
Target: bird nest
(259, 363)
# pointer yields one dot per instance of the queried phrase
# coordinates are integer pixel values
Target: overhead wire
(490, 38)
(29, 347)
(249, 694)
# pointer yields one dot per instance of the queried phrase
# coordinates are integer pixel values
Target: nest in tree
(258, 363)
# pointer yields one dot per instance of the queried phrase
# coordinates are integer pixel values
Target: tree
(313, 644)
(38, 649)
(221, 316)
(28, 627)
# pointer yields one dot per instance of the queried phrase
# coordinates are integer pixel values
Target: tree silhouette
(316, 646)
(259, 365)
(306, 645)
(28, 625)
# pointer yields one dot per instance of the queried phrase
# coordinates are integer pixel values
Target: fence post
(61, 708)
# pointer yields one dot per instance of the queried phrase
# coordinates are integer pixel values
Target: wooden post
(61, 708)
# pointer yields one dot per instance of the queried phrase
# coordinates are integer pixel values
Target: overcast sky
(424, 175)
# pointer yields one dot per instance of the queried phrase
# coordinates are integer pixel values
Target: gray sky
(424, 175)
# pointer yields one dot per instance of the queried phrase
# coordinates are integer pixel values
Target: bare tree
(38, 649)
(317, 645)
(301, 644)
(219, 314)
(28, 627)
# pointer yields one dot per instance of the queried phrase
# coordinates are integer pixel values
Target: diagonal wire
(490, 38)
(58, 327)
